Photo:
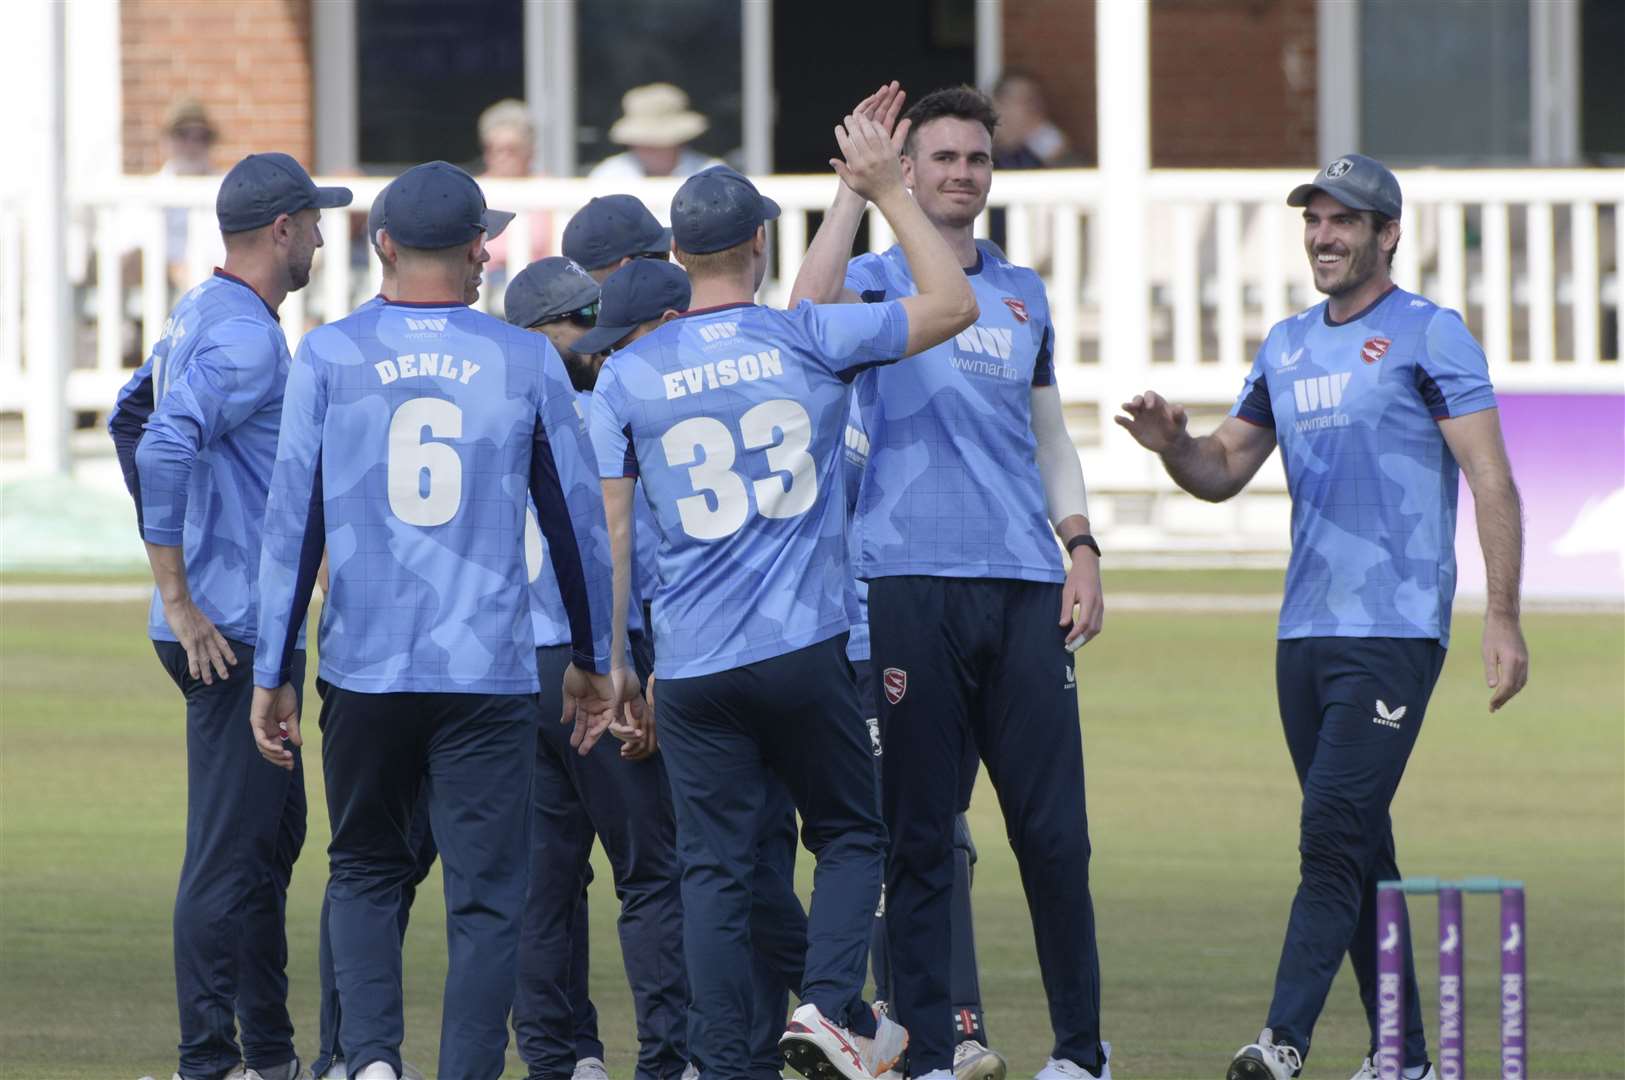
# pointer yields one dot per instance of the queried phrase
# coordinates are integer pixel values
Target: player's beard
(1359, 266)
(299, 270)
(583, 370)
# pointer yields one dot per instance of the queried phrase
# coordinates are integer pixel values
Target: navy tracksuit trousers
(627, 806)
(474, 752)
(982, 662)
(1351, 709)
(245, 824)
(964, 979)
(725, 735)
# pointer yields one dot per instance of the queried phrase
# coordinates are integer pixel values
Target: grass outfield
(1193, 817)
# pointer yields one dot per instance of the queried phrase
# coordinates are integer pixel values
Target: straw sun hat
(656, 115)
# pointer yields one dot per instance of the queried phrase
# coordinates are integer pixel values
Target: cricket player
(412, 434)
(624, 800)
(732, 416)
(971, 613)
(196, 434)
(1377, 397)
(329, 1063)
(613, 230)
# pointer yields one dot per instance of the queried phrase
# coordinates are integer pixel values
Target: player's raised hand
(884, 106)
(1155, 422)
(1506, 658)
(868, 164)
(274, 717)
(590, 704)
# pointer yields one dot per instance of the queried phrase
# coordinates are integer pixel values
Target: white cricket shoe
(377, 1070)
(1265, 1060)
(973, 1061)
(820, 1049)
(1369, 1071)
(1066, 1069)
(336, 1071)
(935, 1074)
(691, 1072)
(282, 1072)
(591, 1068)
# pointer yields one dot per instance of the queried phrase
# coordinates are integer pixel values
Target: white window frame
(1554, 79)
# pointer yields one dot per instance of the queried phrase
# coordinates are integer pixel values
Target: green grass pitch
(1193, 815)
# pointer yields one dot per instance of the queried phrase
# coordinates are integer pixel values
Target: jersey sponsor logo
(1017, 308)
(1320, 392)
(426, 365)
(747, 368)
(430, 325)
(987, 340)
(1289, 359)
(1388, 717)
(895, 681)
(718, 331)
(1374, 349)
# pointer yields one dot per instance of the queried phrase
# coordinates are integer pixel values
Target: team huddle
(778, 573)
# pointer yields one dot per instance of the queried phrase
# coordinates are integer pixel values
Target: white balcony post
(49, 321)
(1123, 120)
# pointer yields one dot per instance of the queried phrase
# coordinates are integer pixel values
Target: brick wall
(1232, 81)
(248, 61)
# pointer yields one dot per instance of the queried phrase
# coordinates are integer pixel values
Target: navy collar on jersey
(972, 271)
(1326, 313)
(715, 308)
(234, 279)
(422, 303)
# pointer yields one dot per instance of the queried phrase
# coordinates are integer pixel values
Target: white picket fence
(1532, 257)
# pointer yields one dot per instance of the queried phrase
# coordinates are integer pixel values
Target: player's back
(734, 418)
(432, 411)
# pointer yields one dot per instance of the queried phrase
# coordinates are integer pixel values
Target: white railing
(1532, 258)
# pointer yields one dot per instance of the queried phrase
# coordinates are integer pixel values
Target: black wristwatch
(1082, 540)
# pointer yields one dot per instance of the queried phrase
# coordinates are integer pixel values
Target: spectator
(508, 148)
(1025, 137)
(656, 126)
(187, 137)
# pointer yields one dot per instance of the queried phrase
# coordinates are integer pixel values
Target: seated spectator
(656, 126)
(187, 138)
(1025, 137)
(508, 149)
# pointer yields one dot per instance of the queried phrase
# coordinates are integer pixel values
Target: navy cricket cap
(375, 215)
(437, 205)
(546, 289)
(262, 187)
(633, 295)
(716, 209)
(611, 228)
(1356, 181)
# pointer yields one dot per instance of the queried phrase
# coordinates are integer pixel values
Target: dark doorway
(823, 65)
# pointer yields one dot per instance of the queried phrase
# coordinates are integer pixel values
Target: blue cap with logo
(717, 209)
(1356, 181)
(547, 289)
(262, 187)
(437, 205)
(611, 228)
(633, 295)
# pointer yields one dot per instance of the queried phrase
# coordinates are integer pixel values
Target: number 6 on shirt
(715, 481)
(411, 455)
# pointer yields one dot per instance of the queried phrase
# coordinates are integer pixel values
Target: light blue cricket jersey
(953, 488)
(411, 437)
(196, 432)
(547, 615)
(1355, 407)
(733, 418)
(855, 457)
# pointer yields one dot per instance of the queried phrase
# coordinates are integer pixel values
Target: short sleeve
(866, 276)
(1452, 375)
(1253, 403)
(848, 338)
(611, 435)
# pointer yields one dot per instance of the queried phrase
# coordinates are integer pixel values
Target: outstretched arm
(1211, 467)
(1475, 440)
(822, 275)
